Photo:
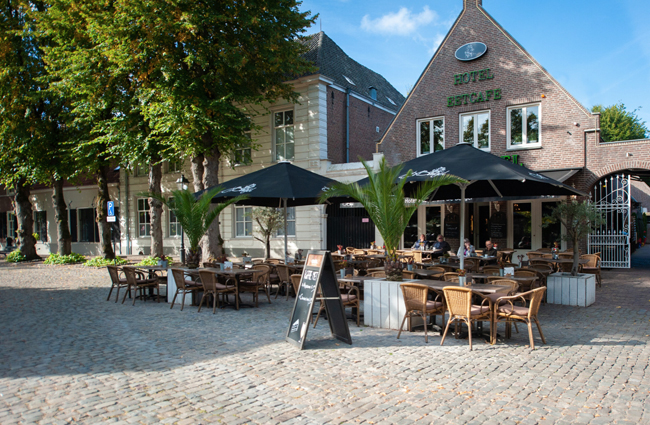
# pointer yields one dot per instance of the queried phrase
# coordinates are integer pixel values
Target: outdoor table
(235, 273)
(427, 273)
(481, 288)
(447, 267)
(151, 272)
(515, 278)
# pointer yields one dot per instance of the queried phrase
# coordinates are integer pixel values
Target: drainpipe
(347, 126)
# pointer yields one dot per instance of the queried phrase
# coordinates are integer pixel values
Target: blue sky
(599, 50)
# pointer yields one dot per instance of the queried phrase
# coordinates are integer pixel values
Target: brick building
(482, 87)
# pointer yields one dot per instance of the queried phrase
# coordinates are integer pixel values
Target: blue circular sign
(471, 51)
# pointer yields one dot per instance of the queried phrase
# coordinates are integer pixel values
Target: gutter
(347, 125)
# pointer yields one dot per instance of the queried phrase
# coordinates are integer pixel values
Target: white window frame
(524, 144)
(283, 126)
(280, 233)
(431, 138)
(11, 231)
(247, 219)
(475, 143)
(173, 224)
(37, 228)
(147, 214)
(241, 150)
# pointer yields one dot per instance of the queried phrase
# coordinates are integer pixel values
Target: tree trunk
(61, 213)
(268, 247)
(155, 208)
(576, 257)
(212, 243)
(102, 213)
(197, 172)
(25, 219)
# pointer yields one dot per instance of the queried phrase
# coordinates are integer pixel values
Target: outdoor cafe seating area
(488, 290)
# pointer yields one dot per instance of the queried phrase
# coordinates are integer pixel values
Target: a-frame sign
(318, 272)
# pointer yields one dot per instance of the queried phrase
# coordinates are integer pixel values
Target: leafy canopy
(616, 123)
(384, 200)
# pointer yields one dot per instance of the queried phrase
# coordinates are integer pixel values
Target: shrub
(15, 257)
(65, 259)
(148, 261)
(103, 262)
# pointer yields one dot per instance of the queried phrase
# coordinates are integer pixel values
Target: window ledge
(523, 148)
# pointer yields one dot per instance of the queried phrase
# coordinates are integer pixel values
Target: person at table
(490, 251)
(420, 243)
(440, 246)
(466, 249)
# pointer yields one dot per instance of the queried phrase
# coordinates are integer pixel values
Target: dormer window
(349, 80)
(373, 92)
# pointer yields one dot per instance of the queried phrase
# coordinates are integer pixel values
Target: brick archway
(618, 167)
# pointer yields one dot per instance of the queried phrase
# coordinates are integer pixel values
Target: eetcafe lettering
(473, 76)
(476, 97)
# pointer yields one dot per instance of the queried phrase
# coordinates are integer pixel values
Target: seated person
(440, 247)
(466, 249)
(420, 243)
(490, 251)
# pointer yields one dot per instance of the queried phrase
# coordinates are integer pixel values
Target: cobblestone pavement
(68, 356)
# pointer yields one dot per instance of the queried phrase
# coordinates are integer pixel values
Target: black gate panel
(349, 227)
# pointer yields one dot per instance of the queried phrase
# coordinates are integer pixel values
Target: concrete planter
(580, 290)
(383, 304)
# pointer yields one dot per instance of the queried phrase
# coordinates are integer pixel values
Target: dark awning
(562, 174)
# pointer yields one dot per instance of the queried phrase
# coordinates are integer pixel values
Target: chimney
(472, 3)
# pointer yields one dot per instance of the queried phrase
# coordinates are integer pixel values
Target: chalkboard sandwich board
(452, 226)
(318, 272)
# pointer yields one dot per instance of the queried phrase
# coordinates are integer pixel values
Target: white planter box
(383, 304)
(580, 290)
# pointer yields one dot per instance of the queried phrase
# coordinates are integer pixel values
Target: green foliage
(616, 123)
(195, 215)
(384, 200)
(15, 257)
(579, 219)
(148, 261)
(65, 259)
(103, 262)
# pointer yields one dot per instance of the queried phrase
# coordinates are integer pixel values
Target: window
(40, 225)
(291, 223)
(242, 155)
(475, 129)
(12, 225)
(87, 229)
(431, 135)
(174, 224)
(141, 170)
(175, 166)
(521, 225)
(284, 138)
(243, 221)
(144, 218)
(523, 126)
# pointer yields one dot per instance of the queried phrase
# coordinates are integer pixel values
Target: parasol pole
(286, 255)
(462, 223)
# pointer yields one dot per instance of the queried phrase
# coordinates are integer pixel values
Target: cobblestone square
(69, 356)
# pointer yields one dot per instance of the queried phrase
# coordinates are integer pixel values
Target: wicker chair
(501, 281)
(507, 257)
(592, 267)
(183, 286)
(527, 285)
(210, 265)
(139, 284)
(539, 262)
(283, 276)
(565, 267)
(406, 274)
(349, 297)
(417, 256)
(491, 269)
(417, 304)
(356, 252)
(379, 273)
(471, 265)
(209, 281)
(258, 280)
(511, 313)
(545, 250)
(116, 282)
(459, 304)
(451, 277)
(295, 282)
(534, 255)
(349, 249)
(565, 255)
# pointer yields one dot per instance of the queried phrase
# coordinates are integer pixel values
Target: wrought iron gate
(611, 196)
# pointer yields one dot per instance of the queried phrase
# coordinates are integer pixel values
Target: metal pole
(286, 254)
(462, 223)
(182, 246)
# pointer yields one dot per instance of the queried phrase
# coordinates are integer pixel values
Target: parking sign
(111, 208)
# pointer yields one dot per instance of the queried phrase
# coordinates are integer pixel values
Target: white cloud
(436, 43)
(404, 22)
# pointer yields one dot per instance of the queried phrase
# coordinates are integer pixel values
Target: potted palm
(578, 218)
(195, 216)
(384, 200)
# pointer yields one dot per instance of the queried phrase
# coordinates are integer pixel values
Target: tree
(203, 70)
(578, 218)
(196, 216)
(616, 123)
(384, 200)
(269, 221)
